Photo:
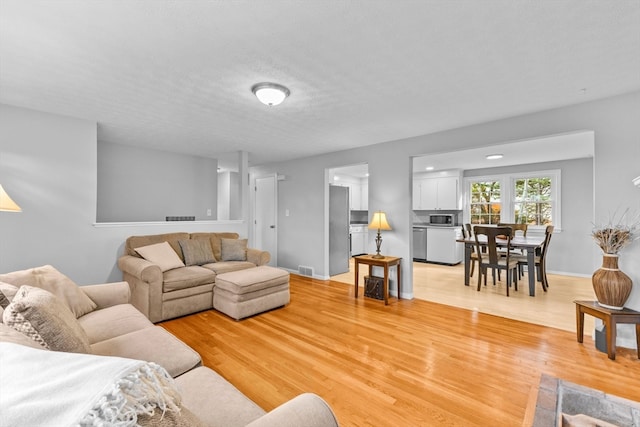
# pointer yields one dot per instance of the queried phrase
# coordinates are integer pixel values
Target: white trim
(163, 223)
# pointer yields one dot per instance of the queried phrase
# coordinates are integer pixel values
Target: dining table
(529, 244)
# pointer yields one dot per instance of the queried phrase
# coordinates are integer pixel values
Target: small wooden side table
(385, 263)
(610, 318)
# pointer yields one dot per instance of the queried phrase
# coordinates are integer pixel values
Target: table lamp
(6, 203)
(379, 221)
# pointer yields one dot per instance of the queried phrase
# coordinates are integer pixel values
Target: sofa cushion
(227, 266)
(196, 251)
(184, 418)
(187, 277)
(152, 344)
(233, 249)
(8, 334)
(121, 319)
(161, 254)
(133, 242)
(50, 279)
(43, 317)
(205, 392)
(252, 280)
(214, 239)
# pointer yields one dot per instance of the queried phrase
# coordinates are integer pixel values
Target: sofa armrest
(108, 294)
(258, 257)
(307, 410)
(145, 279)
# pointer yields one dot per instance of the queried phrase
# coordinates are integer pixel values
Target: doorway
(352, 227)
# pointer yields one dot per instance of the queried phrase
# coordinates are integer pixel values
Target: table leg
(610, 324)
(385, 285)
(357, 276)
(638, 338)
(467, 263)
(531, 266)
(579, 323)
(398, 274)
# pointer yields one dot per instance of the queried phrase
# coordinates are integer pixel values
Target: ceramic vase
(612, 286)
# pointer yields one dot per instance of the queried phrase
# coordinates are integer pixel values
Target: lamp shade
(6, 203)
(270, 93)
(379, 221)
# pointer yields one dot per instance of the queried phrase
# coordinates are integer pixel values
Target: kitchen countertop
(434, 226)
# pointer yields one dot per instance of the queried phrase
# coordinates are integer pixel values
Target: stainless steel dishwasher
(420, 244)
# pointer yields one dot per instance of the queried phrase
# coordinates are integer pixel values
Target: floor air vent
(305, 271)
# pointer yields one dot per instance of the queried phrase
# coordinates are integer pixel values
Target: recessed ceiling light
(494, 156)
(336, 178)
(429, 168)
(366, 174)
(270, 93)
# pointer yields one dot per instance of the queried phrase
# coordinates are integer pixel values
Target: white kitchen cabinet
(355, 197)
(359, 240)
(442, 246)
(364, 197)
(435, 194)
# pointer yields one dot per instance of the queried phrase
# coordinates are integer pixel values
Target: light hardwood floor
(445, 285)
(411, 363)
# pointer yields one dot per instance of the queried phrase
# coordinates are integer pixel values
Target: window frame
(507, 196)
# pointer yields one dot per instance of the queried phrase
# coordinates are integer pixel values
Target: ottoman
(243, 293)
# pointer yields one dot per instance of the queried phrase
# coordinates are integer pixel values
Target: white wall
(48, 165)
(617, 146)
(139, 184)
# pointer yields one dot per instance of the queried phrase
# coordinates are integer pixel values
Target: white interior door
(266, 233)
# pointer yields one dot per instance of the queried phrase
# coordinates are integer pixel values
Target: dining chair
(540, 260)
(492, 259)
(474, 256)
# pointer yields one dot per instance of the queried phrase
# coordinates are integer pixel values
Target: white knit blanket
(48, 388)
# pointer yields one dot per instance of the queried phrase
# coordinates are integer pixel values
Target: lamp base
(377, 256)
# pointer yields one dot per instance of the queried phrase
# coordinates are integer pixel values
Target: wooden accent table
(610, 318)
(385, 263)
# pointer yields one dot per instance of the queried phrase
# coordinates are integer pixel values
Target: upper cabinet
(364, 197)
(436, 193)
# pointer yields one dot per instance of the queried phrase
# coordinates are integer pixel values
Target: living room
(49, 152)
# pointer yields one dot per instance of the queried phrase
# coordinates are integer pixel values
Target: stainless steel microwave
(441, 219)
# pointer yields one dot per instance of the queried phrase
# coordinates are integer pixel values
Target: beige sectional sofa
(187, 288)
(113, 329)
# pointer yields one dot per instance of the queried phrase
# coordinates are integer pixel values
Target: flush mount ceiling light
(270, 93)
(494, 156)
(429, 168)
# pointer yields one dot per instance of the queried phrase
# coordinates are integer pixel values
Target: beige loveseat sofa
(99, 320)
(186, 289)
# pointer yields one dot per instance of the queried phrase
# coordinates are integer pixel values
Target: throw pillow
(50, 279)
(7, 292)
(233, 249)
(196, 251)
(44, 318)
(161, 254)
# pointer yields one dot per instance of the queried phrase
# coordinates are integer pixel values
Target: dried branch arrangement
(617, 232)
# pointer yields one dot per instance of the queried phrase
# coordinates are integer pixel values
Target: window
(485, 204)
(531, 198)
(532, 201)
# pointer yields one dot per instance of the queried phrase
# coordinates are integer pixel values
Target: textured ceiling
(176, 75)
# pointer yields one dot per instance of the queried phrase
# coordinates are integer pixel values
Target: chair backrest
(491, 257)
(469, 230)
(464, 232)
(547, 238)
(518, 229)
